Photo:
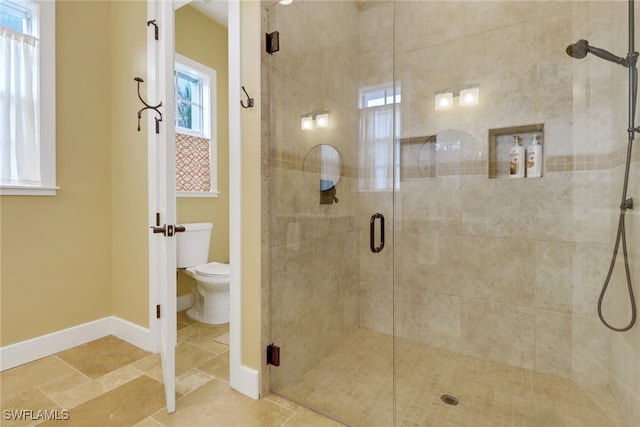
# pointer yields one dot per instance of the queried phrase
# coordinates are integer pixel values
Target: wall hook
(153, 22)
(249, 100)
(147, 106)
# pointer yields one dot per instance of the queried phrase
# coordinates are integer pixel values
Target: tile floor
(490, 394)
(109, 382)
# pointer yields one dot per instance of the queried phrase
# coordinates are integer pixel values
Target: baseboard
(36, 348)
(245, 380)
(133, 334)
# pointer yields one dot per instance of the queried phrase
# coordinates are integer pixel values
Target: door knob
(158, 230)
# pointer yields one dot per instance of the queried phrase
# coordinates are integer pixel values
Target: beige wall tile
(499, 332)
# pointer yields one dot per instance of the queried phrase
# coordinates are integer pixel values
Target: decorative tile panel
(193, 164)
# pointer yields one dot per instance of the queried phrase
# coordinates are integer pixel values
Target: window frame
(209, 121)
(45, 25)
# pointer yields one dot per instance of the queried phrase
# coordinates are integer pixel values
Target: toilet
(211, 287)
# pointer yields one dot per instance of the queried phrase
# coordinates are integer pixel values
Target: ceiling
(217, 10)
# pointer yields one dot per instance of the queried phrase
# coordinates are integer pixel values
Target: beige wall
(129, 208)
(83, 254)
(205, 41)
(56, 251)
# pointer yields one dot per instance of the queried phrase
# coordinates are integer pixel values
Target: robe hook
(147, 107)
(249, 100)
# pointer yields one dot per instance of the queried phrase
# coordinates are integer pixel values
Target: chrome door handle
(372, 226)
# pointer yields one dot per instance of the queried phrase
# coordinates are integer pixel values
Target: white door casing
(162, 201)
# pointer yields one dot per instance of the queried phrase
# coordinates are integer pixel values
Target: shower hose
(621, 236)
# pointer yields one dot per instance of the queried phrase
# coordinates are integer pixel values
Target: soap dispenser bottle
(517, 159)
(534, 158)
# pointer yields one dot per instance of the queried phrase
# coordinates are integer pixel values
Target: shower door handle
(372, 232)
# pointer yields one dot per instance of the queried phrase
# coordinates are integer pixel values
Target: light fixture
(444, 101)
(306, 122)
(318, 119)
(466, 98)
(322, 120)
(469, 97)
(285, 2)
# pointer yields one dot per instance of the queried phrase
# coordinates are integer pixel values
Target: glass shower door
(330, 177)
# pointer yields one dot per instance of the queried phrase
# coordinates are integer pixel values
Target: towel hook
(249, 100)
(147, 106)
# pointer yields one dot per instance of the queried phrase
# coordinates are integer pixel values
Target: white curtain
(19, 121)
(376, 148)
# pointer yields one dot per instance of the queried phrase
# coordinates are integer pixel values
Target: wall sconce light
(306, 123)
(444, 101)
(322, 120)
(319, 120)
(466, 98)
(469, 97)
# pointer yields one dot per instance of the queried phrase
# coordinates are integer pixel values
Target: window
(379, 151)
(27, 97)
(196, 133)
(378, 96)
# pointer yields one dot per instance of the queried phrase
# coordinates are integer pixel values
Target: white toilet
(211, 290)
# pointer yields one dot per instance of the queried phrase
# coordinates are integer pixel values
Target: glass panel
(482, 308)
(497, 278)
(184, 115)
(187, 87)
(332, 297)
(14, 17)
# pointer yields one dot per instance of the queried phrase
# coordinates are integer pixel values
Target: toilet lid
(213, 269)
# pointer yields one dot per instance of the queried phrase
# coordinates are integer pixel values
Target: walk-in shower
(579, 50)
(481, 306)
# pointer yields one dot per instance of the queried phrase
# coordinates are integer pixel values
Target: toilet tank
(192, 245)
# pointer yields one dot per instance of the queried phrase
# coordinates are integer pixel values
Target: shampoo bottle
(534, 158)
(516, 164)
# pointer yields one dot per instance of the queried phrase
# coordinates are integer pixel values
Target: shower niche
(418, 157)
(501, 141)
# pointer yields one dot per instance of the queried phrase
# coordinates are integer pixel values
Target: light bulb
(469, 97)
(306, 123)
(322, 120)
(444, 101)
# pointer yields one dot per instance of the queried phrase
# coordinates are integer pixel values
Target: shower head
(580, 49)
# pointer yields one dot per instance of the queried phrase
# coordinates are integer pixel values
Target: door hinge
(158, 311)
(153, 22)
(273, 42)
(273, 355)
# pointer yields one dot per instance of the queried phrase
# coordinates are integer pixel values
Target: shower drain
(449, 399)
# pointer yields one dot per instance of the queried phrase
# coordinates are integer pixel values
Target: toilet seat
(212, 269)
